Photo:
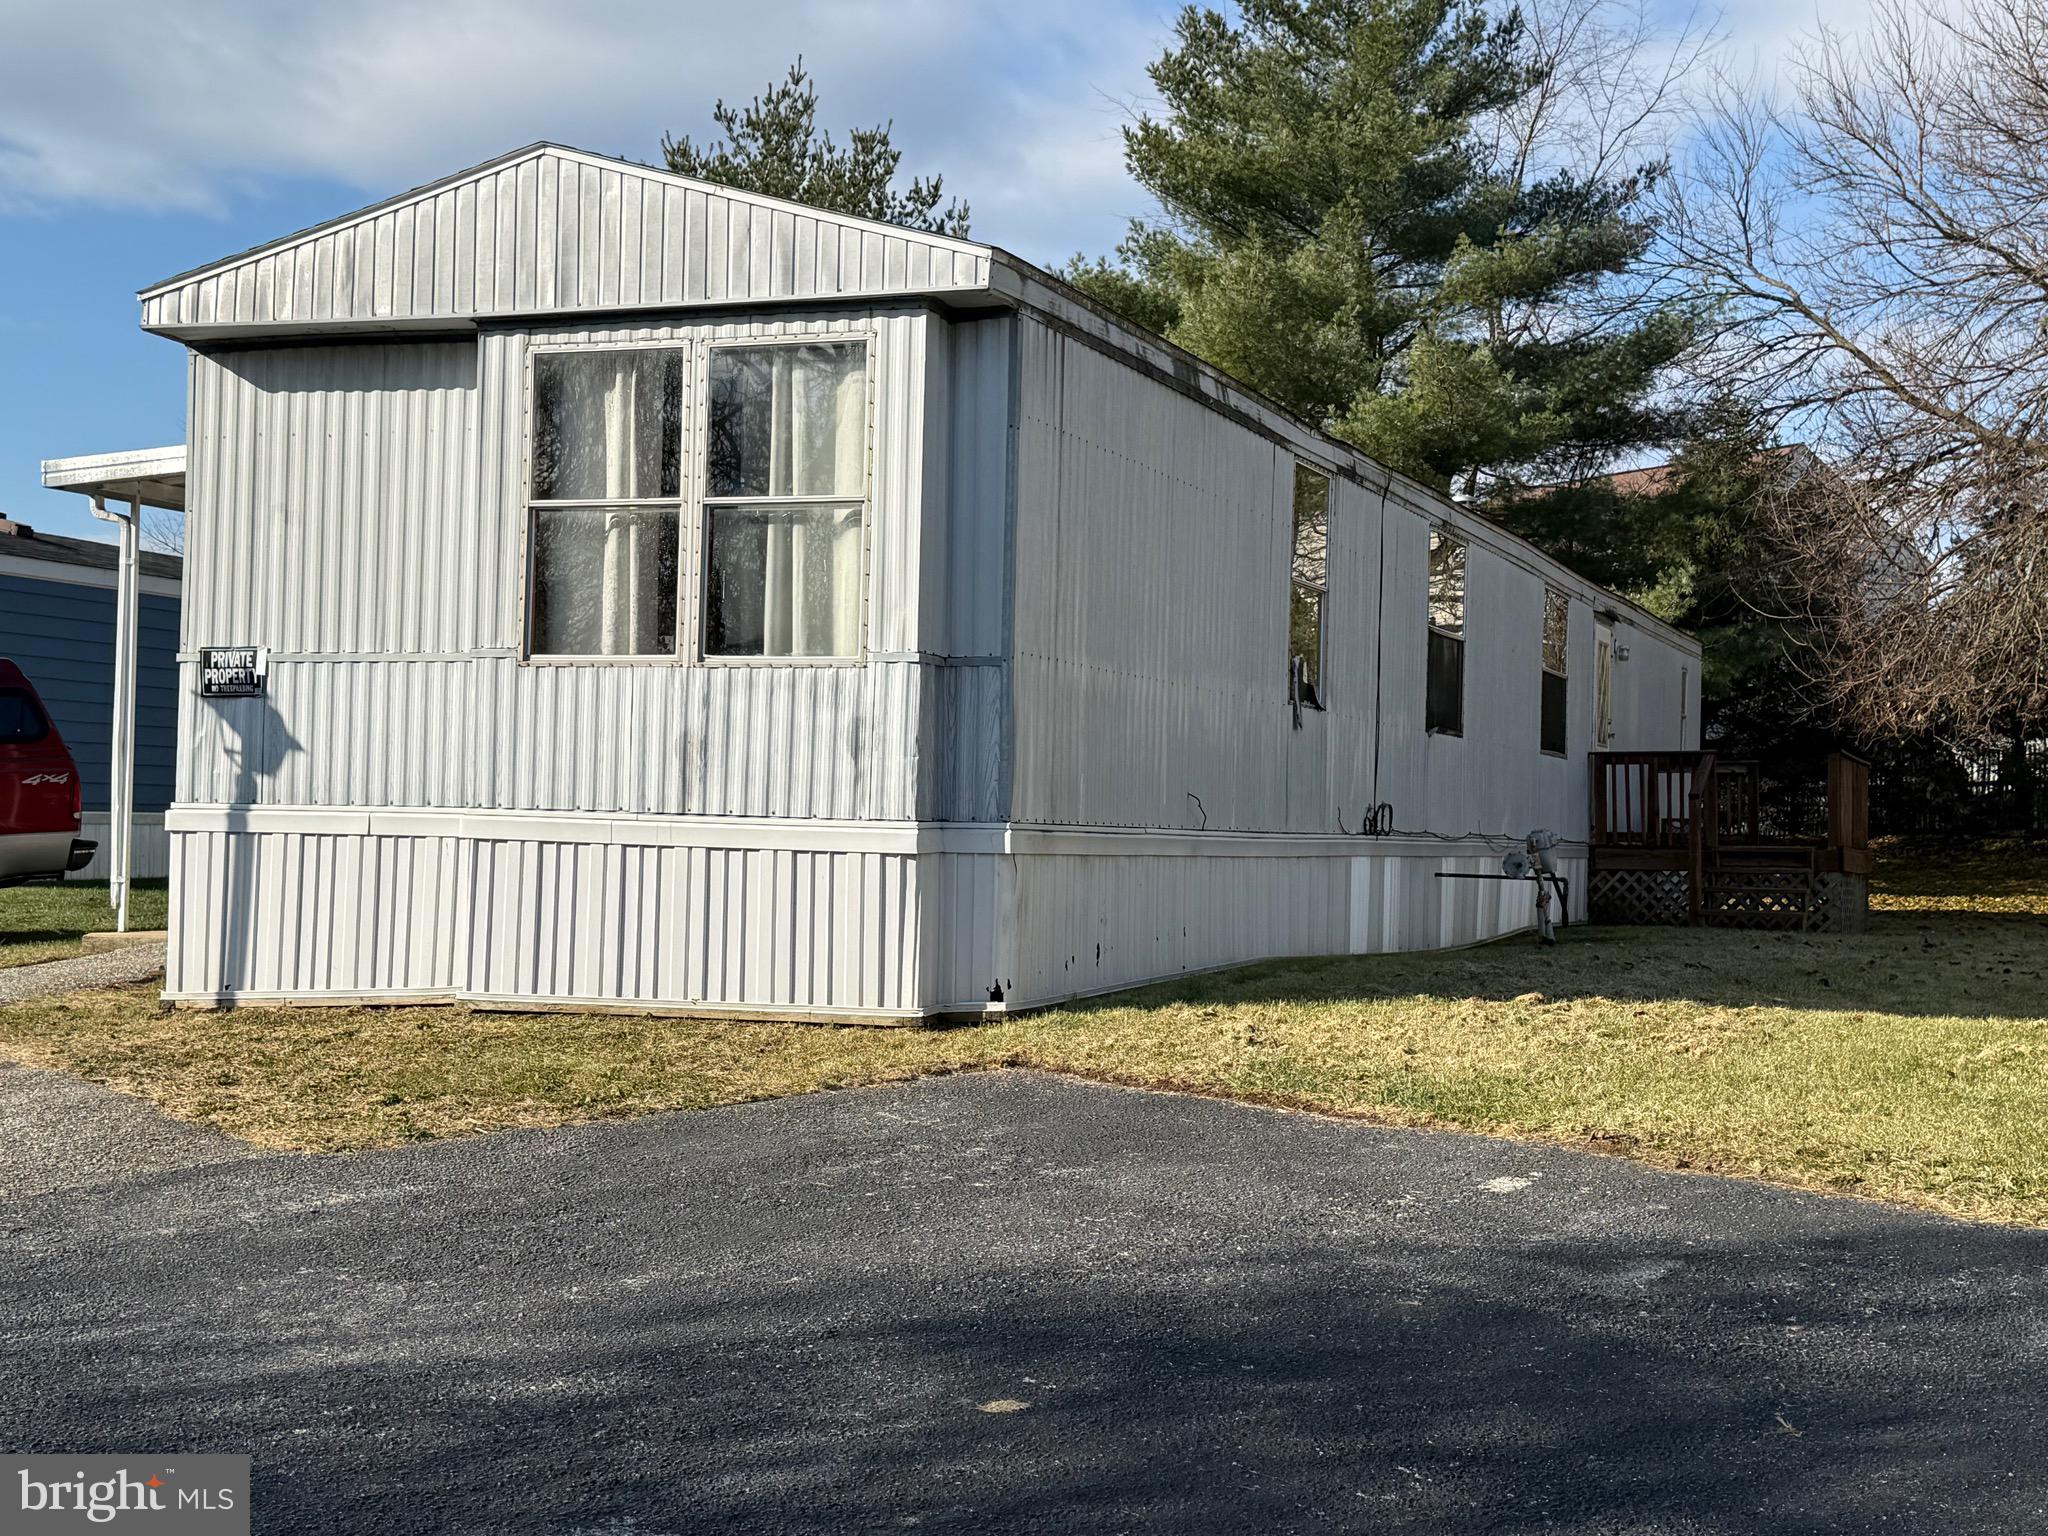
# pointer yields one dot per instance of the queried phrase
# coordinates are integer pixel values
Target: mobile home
(623, 590)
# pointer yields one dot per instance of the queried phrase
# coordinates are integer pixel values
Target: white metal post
(130, 595)
(122, 775)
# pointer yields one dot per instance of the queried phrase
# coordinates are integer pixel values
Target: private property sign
(232, 671)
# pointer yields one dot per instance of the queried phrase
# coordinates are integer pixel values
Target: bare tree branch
(1878, 244)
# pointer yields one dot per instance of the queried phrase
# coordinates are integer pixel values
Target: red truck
(40, 796)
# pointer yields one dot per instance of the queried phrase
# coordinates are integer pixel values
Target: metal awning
(154, 476)
(140, 477)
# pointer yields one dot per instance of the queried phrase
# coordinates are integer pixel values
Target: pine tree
(774, 146)
(1343, 237)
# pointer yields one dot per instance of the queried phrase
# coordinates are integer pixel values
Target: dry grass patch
(331, 1079)
(1910, 1064)
(2006, 875)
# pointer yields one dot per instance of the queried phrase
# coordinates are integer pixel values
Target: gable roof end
(549, 230)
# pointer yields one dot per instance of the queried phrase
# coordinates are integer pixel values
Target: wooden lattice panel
(1750, 898)
(1638, 896)
(1764, 898)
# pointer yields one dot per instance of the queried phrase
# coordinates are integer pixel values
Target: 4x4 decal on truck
(47, 778)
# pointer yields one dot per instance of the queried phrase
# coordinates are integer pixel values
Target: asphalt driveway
(1007, 1302)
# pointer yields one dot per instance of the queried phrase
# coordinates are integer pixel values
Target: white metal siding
(336, 500)
(392, 915)
(1076, 598)
(556, 230)
(1040, 927)
(1152, 566)
(1150, 606)
(356, 509)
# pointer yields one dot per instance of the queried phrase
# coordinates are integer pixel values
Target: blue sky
(142, 137)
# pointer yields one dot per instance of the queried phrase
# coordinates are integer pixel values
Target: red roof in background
(1656, 479)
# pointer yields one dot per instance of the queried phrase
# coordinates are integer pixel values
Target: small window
(1310, 578)
(1445, 705)
(605, 489)
(21, 721)
(1556, 647)
(785, 498)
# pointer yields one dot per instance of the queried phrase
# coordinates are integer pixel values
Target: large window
(1445, 705)
(605, 502)
(785, 484)
(1309, 583)
(1556, 647)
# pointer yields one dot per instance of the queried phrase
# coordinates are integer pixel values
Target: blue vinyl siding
(62, 635)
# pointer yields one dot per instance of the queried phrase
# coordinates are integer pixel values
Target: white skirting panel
(1024, 930)
(262, 915)
(151, 853)
(843, 920)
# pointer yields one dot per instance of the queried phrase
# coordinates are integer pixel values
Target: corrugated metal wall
(1023, 929)
(556, 230)
(1076, 587)
(61, 634)
(778, 930)
(1153, 539)
(1150, 641)
(356, 508)
(1656, 693)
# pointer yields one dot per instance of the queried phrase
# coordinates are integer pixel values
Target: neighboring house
(677, 598)
(57, 625)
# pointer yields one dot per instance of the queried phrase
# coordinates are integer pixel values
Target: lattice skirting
(1768, 898)
(1637, 896)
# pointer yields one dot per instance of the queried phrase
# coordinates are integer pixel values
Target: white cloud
(1766, 34)
(178, 104)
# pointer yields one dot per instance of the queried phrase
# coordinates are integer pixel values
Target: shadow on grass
(1923, 963)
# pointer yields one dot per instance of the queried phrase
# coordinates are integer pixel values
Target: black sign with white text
(232, 671)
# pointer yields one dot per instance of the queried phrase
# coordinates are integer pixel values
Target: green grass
(1920, 875)
(46, 922)
(1908, 1064)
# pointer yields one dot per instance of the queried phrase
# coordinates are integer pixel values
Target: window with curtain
(1310, 582)
(1445, 704)
(785, 458)
(605, 502)
(1556, 631)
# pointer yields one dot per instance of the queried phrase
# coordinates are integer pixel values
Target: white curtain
(632, 567)
(811, 565)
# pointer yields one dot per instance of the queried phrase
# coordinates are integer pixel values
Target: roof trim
(534, 151)
(156, 475)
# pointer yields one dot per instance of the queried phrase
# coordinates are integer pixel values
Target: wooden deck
(1677, 837)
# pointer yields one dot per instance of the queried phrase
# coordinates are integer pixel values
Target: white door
(1603, 686)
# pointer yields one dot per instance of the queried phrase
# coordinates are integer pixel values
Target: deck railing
(1663, 800)
(1651, 799)
(1689, 807)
